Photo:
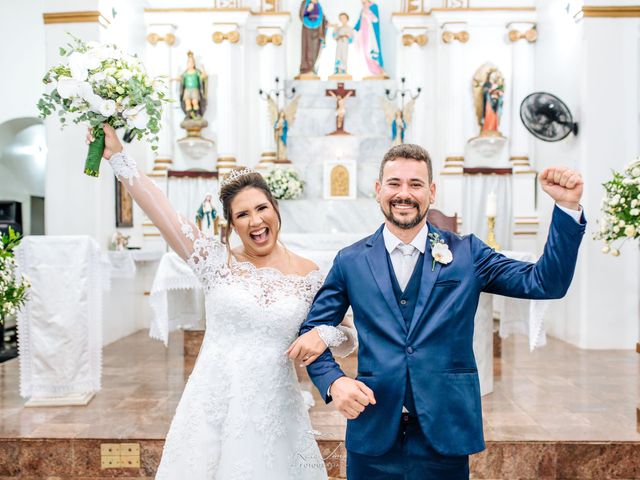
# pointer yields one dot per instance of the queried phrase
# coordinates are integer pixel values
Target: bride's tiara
(234, 175)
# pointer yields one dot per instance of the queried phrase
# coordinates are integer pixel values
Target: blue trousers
(410, 458)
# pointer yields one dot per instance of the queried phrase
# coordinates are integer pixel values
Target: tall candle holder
(491, 236)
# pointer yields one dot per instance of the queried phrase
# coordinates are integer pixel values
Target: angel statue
(207, 212)
(282, 119)
(488, 93)
(398, 119)
(193, 89)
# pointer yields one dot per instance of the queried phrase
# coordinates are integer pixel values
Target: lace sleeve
(342, 340)
(200, 251)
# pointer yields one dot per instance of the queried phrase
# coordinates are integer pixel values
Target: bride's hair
(231, 188)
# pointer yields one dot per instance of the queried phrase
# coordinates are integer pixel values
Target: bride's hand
(307, 348)
(111, 142)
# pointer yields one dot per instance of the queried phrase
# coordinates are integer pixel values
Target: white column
(229, 41)
(452, 82)
(522, 36)
(160, 40)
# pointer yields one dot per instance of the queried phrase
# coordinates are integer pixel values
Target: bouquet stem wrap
(94, 155)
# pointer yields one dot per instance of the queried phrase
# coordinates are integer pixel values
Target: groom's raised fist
(563, 185)
(351, 396)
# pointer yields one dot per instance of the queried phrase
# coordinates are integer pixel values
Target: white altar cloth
(60, 328)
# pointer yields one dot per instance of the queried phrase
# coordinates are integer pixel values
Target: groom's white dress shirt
(405, 256)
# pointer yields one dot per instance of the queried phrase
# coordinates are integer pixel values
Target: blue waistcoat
(407, 300)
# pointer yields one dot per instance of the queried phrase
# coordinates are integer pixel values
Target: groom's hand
(563, 185)
(351, 396)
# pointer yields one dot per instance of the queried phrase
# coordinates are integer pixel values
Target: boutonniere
(439, 251)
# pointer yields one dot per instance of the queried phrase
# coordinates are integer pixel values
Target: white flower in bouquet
(620, 208)
(98, 84)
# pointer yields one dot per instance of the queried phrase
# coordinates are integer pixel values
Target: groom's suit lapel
(376, 256)
(427, 281)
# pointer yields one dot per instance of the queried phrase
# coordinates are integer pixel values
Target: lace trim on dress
(124, 167)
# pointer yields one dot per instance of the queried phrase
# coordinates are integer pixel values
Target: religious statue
(368, 38)
(343, 33)
(488, 90)
(340, 94)
(398, 119)
(207, 212)
(314, 30)
(193, 89)
(119, 241)
(282, 119)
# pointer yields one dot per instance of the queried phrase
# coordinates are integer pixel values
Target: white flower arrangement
(13, 290)
(100, 84)
(620, 208)
(285, 184)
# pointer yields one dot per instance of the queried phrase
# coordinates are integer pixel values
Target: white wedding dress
(242, 415)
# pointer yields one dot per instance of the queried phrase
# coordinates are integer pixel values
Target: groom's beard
(404, 224)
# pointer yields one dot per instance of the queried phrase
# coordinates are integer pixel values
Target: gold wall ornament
(275, 39)
(339, 181)
(232, 37)
(449, 37)
(154, 39)
(530, 35)
(269, 6)
(412, 6)
(420, 40)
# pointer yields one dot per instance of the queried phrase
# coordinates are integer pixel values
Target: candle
(492, 205)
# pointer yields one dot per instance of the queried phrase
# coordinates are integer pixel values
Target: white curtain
(187, 193)
(474, 218)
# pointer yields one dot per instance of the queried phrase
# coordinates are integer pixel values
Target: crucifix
(340, 94)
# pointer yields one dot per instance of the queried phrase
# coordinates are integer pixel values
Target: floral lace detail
(124, 167)
(331, 336)
(187, 230)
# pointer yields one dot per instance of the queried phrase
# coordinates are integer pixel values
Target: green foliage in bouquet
(98, 84)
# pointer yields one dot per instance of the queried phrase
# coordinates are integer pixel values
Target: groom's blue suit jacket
(436, 348)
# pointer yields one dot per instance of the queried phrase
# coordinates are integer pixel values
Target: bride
(241, 415)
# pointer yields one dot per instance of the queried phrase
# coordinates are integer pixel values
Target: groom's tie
(406, 265)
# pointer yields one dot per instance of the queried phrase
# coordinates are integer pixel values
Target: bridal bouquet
(621, 208)
(100, 84)
(13, 290)
(285, 184)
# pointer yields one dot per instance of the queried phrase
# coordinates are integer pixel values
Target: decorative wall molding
(232, 36)
(449, 37)
(276, 39)
(613, 11)
(154, 38)
(420, 40)
(90, 16)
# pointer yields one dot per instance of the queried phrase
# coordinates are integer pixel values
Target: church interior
(95, 355)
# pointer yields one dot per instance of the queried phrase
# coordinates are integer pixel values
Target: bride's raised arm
(180, 234)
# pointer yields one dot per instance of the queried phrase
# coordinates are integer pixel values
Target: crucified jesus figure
(340, 94)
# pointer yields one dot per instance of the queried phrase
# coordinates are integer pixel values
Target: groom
(414, 408)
